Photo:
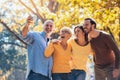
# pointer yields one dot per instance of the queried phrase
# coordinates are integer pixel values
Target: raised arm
(26, 28)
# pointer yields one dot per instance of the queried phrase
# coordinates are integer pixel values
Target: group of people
(65, 58)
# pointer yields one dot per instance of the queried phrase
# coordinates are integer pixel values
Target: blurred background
(13, 14)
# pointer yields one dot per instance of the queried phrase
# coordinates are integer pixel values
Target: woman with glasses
(61, 53)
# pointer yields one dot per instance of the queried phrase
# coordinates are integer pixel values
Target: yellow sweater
(79, 55)
(61, 57)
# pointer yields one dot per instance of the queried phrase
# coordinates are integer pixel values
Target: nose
(84, 26)
(48, 27)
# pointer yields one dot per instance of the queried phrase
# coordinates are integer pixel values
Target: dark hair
(54, 35)
(86, 35)
(91, 21)
(81, 27)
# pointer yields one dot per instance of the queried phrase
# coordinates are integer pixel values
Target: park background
(13, 14)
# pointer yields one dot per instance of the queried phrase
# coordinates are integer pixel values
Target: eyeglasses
(64, 31)
(49, 25)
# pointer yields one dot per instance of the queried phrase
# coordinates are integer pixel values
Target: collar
(43, 33)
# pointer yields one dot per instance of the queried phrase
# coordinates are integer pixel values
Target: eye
(77, 31)
(49, 25)
(85, 24)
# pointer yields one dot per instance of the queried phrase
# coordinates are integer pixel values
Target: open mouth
(62, 37)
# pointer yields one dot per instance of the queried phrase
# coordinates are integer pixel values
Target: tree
(11, 53)
(68, 13)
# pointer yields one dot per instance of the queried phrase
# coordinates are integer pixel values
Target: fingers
(55, 41)
(115, 73)
(29, 19)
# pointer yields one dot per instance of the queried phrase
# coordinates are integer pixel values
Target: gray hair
(48, 21)
(67, 29)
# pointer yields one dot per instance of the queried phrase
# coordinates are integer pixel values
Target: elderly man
(39, 67)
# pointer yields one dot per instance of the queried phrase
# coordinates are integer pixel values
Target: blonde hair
(67, 29)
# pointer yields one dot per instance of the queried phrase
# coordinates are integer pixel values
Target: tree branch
(50, 5)
(4, 24)
(56, 7)
(53, 6)
(37, 11)
(27, 7)
(34, 6)
(41, 1)
(32, 11)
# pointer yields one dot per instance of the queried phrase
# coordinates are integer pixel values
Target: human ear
(93, 26)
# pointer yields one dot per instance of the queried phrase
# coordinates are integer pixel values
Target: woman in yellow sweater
(80, 50)
(61, 53)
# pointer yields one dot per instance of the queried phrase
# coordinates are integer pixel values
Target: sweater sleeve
(29, 39)
(112, 45)
(49, 50)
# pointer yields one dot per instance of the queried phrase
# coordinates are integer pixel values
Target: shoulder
(89, 44)
(32, 32)
(105, 34)
(42, 33)
(71, 40)
(35, 34)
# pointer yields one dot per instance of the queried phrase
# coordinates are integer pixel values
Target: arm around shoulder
(49, 50)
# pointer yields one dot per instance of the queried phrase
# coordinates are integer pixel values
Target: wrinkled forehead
(66, 31)
(48, 22)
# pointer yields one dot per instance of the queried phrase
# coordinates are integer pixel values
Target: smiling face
(48, 26)
(87, 26)
(78, 31)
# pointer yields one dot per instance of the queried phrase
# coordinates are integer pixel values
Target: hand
(29, 20)
(55, 41)
(115, 73)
